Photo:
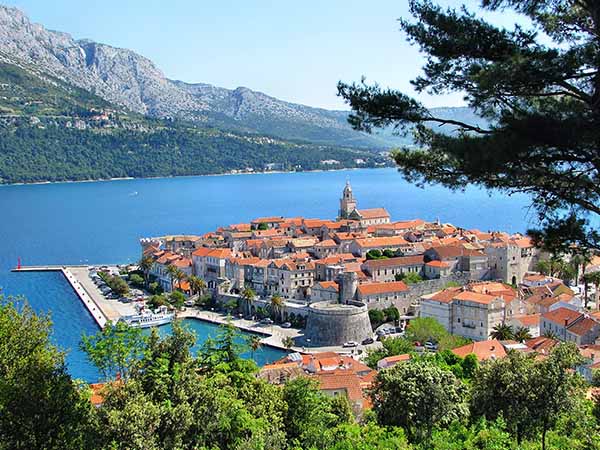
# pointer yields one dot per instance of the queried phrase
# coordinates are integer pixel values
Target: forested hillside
(52, 131)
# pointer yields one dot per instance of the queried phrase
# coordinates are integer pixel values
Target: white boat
(146, 318)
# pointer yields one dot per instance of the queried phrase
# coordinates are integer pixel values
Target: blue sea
(102, 222)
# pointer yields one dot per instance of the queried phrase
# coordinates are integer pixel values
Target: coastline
(166, 177)
(270, 338)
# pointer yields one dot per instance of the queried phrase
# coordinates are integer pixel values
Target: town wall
(425, 287)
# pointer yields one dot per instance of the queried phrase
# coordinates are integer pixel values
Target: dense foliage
(57, 153)
(538, 87)
(165, 398)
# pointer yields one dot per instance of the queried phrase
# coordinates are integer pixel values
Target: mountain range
(132, 86)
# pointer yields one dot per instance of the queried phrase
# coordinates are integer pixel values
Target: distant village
(331, 273)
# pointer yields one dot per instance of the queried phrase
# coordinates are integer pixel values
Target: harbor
(100, 308)
(105, 311)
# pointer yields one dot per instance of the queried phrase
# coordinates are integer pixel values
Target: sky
(293, 50)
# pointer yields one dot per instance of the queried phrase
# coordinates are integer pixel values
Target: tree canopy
(537, 90)
(173, 399)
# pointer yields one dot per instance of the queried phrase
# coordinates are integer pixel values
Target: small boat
(146, 318)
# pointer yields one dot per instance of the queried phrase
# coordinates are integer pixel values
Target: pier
(78, 278)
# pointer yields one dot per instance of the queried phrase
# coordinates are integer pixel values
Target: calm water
(74, 223)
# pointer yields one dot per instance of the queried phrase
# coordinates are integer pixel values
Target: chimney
(493, 348)
(566, 322)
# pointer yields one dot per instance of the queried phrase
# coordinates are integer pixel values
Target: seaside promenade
(274, 334)
(104, 311)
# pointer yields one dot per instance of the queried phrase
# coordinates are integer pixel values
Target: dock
(88, 293)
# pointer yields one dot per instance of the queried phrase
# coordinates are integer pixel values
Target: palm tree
(172, 270)
(255, 343)
(594, 278)
(502, 332)
(276, 305)
(287, 342)
(179, 276)
(145, 265)
(248, 295)
(549, 334)
(522, 334)
(197, 285)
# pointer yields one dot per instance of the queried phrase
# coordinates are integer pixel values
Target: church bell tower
(347, 202)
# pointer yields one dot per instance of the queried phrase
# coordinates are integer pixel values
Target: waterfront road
(274, 334)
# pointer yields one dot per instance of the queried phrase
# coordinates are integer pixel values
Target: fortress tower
(347, 202)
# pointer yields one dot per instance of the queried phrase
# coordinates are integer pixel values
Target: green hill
(51, 131)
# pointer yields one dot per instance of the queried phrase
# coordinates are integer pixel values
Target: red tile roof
(328, 243)
(341, 380)
(582, 326)
(202, 251)
(524, 242)
(484, 350)
(454, 251)
(541, 344)
(528, 320)
(327, 285)
(394, 262)
(378, 242)
(475, 297)
(404, 225)
(315, 223)
(437, 264)
(560, 316)
(446, 295)
(182, 263)
(268, 220)
(382, 288)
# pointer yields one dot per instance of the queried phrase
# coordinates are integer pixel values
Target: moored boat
(146, 318)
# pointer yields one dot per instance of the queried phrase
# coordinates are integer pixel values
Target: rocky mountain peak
(125, 78)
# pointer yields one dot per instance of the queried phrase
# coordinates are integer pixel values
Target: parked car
(350, 344)
(390, 331)
(286, 325)
(189, 303)
(380, 333)
(367, 341)
(266, 321)
(125, 299)
(430, 346)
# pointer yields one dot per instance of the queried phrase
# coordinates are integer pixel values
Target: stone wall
(333, 324)
(288, 309)
(425, 287)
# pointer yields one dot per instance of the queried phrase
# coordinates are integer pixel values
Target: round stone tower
(332, 324)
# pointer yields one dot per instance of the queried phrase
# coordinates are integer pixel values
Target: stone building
(387, 269)
(464, 311)
(510, 261)
(383, 295)
(570, 325)
(365, 217)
